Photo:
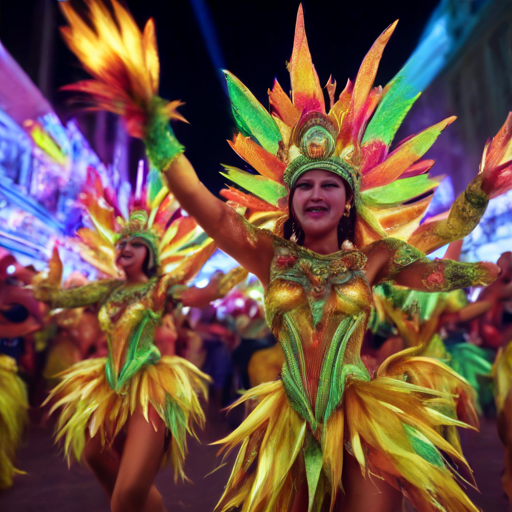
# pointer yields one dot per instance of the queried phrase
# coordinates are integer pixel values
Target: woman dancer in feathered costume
(122, 413)
(325, 178)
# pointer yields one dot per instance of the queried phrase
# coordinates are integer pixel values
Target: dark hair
(150, 272)
(346, 225)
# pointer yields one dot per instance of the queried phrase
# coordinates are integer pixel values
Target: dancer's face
(131, 254)
(318, 203)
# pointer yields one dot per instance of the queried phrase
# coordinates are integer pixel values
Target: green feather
(176, 422)
(313, 461)
(196, 242)
(154, 184)
(398, 192)
(391, 111)
(425, 303)
(268, 190)
(251, 117)
(423, 447)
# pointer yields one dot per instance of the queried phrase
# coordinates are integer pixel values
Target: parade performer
(121, 413)
(13, 418)
(327, 180)
(496, 334)
(19, 316)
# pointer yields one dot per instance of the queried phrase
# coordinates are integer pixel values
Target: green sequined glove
(446, 275)
(162, 146)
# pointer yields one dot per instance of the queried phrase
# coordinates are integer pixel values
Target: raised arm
(220, 284)
(250, 246)
(495, 178)
(463, 217)
(393, 260)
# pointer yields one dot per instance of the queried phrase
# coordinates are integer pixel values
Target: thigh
(368, 494)
(103, 462)
(142, 451)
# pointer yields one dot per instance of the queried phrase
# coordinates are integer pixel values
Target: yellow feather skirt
(13, 418)
(91, 407)
(392, 427)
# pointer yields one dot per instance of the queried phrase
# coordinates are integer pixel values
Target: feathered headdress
(174, 240)
(392, 190)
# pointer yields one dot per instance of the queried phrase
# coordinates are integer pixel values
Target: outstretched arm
(393, 260)
(251, 247)
(46, 288)
(87, 295)
(446, 275)
(220, 284)
(495, 178)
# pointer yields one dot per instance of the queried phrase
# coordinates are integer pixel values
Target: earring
(346, 213)
(294, 236)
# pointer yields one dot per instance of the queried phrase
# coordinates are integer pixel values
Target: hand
(491, 270)
(496, 163)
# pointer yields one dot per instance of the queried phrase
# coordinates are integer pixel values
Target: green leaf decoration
(268, 190)
(398, 192)
(251, 118)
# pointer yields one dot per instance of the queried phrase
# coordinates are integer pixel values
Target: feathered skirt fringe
(394, 428)
(90, 407)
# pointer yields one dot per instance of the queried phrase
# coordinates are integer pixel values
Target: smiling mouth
(316, 209)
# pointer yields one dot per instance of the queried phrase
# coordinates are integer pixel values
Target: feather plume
(123, 61)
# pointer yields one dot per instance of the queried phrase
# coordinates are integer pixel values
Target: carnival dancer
(20, 316)
(327, 180)
(13, 418)
(122, 413)
(13, 392)
(496, 334)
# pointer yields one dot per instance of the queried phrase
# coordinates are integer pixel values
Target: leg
(103, 463)
(365, 494)
(140, 461)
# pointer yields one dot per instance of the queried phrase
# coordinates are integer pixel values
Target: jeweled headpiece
(391, 189)
(313, 146)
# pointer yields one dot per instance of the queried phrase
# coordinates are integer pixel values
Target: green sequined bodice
(317, 307)
(129, 316)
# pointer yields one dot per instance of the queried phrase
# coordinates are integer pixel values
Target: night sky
(254, 39)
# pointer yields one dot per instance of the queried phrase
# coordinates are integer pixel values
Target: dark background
(255, 40)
